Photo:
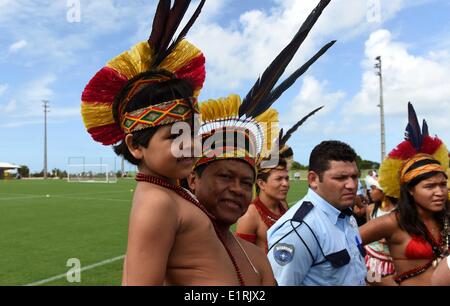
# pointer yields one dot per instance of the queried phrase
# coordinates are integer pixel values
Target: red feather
(194, 72)
(403, 151)
(107, 134)
(430, 145)
(103, 87)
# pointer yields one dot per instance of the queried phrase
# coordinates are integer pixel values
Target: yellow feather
(131, 63)
(389, 177)
(96, 114)
(441, 155)
(181, 55)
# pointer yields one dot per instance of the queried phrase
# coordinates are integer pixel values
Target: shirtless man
(225, 187)
(267, 208)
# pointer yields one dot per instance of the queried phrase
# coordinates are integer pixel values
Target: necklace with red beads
(185, 194)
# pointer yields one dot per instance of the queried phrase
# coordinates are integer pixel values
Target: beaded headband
(159, 114)
(228, 143)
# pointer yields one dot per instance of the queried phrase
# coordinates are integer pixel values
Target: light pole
(381, 106)
(46, 110)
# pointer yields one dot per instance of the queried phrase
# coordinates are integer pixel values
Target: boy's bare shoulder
(154, 198)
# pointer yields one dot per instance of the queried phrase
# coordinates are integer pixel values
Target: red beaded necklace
(140, 177)
(267, 216)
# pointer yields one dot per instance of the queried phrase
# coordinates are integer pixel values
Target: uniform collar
(332, 212)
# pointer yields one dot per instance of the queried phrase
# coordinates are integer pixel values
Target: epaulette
(303, 210)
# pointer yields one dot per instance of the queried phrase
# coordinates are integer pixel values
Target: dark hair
(199, 170)
(326, 151)
(408, 215)
(151, 94)
(377, 205)
(265, 175)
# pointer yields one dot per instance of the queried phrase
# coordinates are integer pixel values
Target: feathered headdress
(417, 141)
(158, 59)
(282, 153)
(252, 118)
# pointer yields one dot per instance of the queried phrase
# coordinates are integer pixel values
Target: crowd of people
(391, 230)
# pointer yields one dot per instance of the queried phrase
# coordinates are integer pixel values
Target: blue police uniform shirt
(297, 256)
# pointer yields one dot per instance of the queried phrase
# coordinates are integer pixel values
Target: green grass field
(45, 223)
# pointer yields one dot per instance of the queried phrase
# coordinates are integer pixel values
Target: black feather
(174, 19)
(273, 72)
(188, 26)
(413, 128)
(159, 23)
(425, 129)
(294, 128)
(278, 91)
(288, 153)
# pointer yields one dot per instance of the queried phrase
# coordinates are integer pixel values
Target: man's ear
(261, 184)
(192, 180)
(313, 180)
(136, 151)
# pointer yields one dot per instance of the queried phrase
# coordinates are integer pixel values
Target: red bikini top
(419, 248)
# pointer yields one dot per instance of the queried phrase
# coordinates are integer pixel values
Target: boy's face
(159, 157)
(225, 189)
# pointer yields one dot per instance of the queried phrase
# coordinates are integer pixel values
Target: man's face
(338, 185)
(225, 189)
(276, 186)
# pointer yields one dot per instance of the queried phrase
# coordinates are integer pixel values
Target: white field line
(94, 199)
(69, 194)
(21, 198)
(101, 263)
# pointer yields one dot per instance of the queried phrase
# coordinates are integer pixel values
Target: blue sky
(44, 56)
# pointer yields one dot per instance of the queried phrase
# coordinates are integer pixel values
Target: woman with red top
(417, 231)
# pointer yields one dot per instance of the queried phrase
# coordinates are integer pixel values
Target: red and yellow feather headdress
(127, 73)
(416, 142)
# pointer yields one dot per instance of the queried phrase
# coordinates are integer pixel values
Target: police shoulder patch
(283, 253)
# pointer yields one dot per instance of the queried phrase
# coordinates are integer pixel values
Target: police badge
(283, 253)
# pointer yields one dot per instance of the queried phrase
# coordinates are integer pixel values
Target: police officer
(317, 241)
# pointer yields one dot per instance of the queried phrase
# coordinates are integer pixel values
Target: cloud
(239, 51)
(28, 98)
(9, 107)
(420, 79)
(3, 89)
(17, 46)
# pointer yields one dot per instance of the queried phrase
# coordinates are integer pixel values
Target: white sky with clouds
(43, 56)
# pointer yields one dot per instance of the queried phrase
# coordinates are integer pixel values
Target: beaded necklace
(267, 216)
(188, 196)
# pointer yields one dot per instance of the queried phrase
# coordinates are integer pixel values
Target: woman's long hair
(377, 205)
(408, 214)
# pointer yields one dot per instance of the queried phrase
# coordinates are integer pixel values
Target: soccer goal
(90, 173)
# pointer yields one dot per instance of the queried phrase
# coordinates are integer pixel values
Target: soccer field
(43, 224)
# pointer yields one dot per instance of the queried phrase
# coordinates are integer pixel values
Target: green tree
(24, 171)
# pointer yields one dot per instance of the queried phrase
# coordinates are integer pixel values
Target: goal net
(90, 173)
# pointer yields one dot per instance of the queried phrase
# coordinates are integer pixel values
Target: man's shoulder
(302, 212)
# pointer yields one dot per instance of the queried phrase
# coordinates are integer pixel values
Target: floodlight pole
(381, 106)
(46, 110)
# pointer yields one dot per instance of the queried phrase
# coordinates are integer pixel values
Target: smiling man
(317, 241)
